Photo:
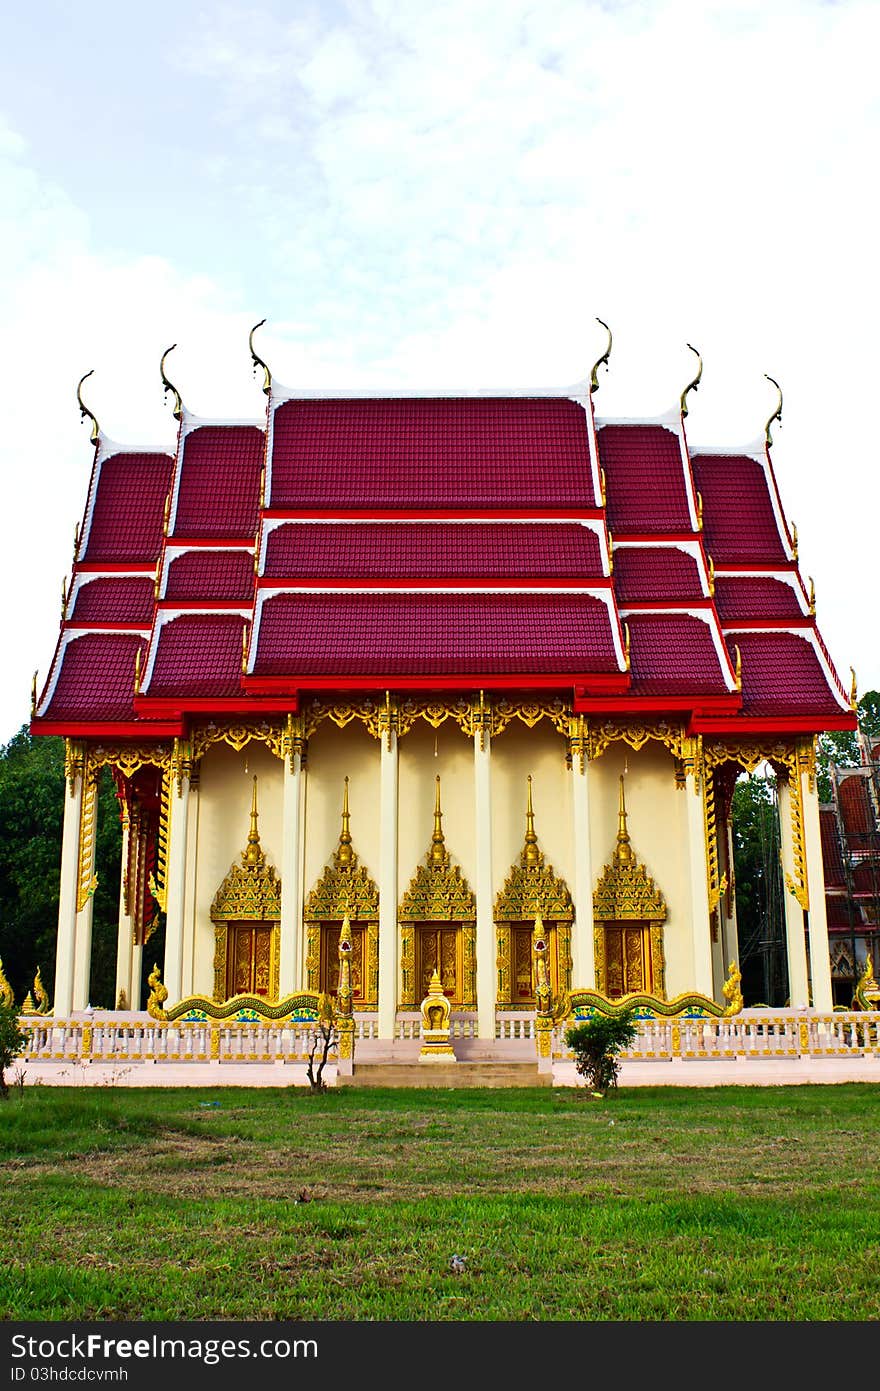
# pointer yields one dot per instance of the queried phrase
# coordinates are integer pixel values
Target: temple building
(850, 825)
(435, 667)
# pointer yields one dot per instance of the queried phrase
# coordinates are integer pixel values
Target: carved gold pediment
(532, 889)
(252, 889)
(625, 889)
(437, 892)
(345, 887)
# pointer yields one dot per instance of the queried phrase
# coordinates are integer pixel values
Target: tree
(323, 1036)
(596, 1043)
(760, 910)
(12, 1040)
(31, 816)
(843, 748)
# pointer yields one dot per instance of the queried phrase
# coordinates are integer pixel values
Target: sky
(422, 194)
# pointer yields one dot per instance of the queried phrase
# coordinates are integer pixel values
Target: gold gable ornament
(531, 891)
(251, 892)
(345, 892)
(438, 894)
(627, 893)
(345, 887)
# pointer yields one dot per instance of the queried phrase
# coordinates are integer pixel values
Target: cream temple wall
(220, 802)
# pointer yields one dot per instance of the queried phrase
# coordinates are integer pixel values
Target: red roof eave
(608, 682)
(779, 724)
(107, 729)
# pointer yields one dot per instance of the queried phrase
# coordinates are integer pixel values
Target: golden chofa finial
(258, 361)
(253, 854)
(344, 854)
(623, 854)
(438, 854)
(169, 386)
(84, 410)
(531, 855)
(603, 360)
(777, 414)
(34, 695)
(692, 385)
(853, 690)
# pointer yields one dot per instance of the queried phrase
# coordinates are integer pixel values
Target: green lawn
(730, 1203)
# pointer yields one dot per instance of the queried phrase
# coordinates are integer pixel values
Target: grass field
(655, 1204)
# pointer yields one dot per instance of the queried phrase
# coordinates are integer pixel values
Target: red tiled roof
(129, 508)
(752, 598)
(857, 813)
(832, 859)
(739, 525)
(412, 453)
(96, 681)
(642, 573)
(219, 489)
(672, 654)
(198, 655)
(214, 576)
(114, 599)
(781, 676)
(433, 550)
(433, 634)
(866, 876)
(644, 478)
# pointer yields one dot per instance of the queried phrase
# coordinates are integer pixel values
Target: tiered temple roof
(445, 544)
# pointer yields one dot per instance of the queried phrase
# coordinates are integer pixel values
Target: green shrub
(596, 1043)
(12, 1040)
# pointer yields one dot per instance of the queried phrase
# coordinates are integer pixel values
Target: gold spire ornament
(601, 362)
(623, 854)
(167, 385)
(694, 384)
(531, 855)
(84, 410)
(258, 361)
(253, 856)
(777, 414)
(345, 853)
(438, 854)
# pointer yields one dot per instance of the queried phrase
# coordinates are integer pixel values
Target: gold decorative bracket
(87, 880)
(603, 361)
(481, 717)
(694, 384)
(258, 361)
(84, 410)
(169, 386)
(777, 413)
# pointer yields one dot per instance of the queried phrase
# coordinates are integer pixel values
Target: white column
(290, 946)
(389, 969)
(487, 946)
(175, 886)
(795, 940)
(137, 960)
(583, 943)
(188, 979)
(820, 956)
(82, 954)
(728, 924)
(64, 951)
(124, 928)
(699, 888)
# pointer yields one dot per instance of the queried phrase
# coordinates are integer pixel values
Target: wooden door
(250, 956)
(439, 947)
(627, 959)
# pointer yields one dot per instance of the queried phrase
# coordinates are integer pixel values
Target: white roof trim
(705, 616)
(164, 616)
(73, 635)
(807, 635)
(578, 391)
